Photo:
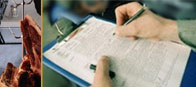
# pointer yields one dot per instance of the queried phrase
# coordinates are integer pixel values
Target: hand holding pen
(143, 23)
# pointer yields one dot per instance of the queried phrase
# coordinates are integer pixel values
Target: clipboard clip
(62, 36)
(60, 33)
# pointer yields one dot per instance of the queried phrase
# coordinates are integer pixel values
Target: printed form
(139, 63)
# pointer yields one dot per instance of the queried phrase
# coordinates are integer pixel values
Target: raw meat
(29, 72)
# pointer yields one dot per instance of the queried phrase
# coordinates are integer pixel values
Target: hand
(102, 78)
(148, 25)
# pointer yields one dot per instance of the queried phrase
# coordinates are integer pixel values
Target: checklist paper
(139, 63)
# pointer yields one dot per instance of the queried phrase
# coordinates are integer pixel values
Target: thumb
(102, 78)
(103, 66)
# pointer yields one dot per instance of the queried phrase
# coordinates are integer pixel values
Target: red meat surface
(28, 74)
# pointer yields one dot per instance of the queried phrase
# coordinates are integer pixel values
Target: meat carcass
(29, 72)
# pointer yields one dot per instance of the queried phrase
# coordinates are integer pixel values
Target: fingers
(133, 38)
(126, 31)
(103, 67)
(154, 39)
(121, 15)
(102, 78)
(126, 11)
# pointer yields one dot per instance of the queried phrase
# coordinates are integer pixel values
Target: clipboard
(189, 77)
(57, 68)
(60, 70)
